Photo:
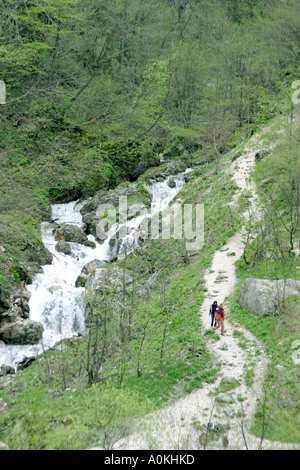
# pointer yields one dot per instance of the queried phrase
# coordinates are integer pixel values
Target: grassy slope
(183, 366)
(50, 405)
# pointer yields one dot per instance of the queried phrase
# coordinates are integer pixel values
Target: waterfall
(55, 300)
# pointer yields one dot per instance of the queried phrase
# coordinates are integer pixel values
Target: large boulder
(72, 233)
(63, 247)
(21, 332)
(4, 304)
(86, 271)
(108, 280)
(263, 297)
(105, 283)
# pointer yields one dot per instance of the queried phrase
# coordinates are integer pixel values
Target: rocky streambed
(81, 237)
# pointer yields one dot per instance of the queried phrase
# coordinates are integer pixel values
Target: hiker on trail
(212, 312)
(220, 318)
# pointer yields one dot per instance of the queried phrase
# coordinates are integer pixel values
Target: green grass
(53, 396)
(51, 406)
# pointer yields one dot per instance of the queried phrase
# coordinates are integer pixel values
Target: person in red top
(220, 319)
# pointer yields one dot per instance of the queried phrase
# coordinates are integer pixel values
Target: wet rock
(101, 235)
(86, 271)
(26, 362)
(24, 273)
(174, 167)
(6, 370)
(23, 307)
(73, 233)
(4, 303)
(21, 332)
(63, 247)
(111, 199)
(90, 220)
(171, 183)
(70, 233)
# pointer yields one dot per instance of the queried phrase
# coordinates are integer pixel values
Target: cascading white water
(55, 301)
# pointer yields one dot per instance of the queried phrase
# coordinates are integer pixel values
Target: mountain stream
(55, 300)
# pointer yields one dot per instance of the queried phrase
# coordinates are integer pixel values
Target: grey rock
(103, 280)
(262, 296)
(4, 304)
(224, 398)
(260, 154)
(266, 181)
(6, 370)
(63, 247)
(3, 446)
(26, 362)
(71, 233)
(87, 271)
(3, 405)
(171, 183)
(231, 380)
(103, 283)
(21, 332)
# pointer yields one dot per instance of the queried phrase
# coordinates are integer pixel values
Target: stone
(171, 183)
(26, 362)
(231, 381)
(70, 233)
(4, 304)
(90, 220)
(174, 167)
(106, 282)
(63, 247)
(224, 398)
(3, 405)
(24, 272)
(265, 181)
(21, 332)
(6, 370)
(103, 280)
(87, 271)
(262, 296)
(260, 154)
(3, 446)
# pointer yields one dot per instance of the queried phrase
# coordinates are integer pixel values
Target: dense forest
(96, 91)
(91, 85)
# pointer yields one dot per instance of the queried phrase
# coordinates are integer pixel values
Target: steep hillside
(102, 99)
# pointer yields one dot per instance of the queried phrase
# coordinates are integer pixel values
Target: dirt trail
(226, 417)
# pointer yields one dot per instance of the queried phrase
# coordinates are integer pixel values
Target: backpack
(220, 311)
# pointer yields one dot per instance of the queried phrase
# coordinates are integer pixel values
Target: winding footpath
(207, 419)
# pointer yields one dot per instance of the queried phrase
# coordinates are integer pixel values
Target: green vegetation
(270, 256)
(95, 91)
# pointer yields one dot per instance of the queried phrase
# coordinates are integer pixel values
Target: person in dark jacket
(212, 312)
